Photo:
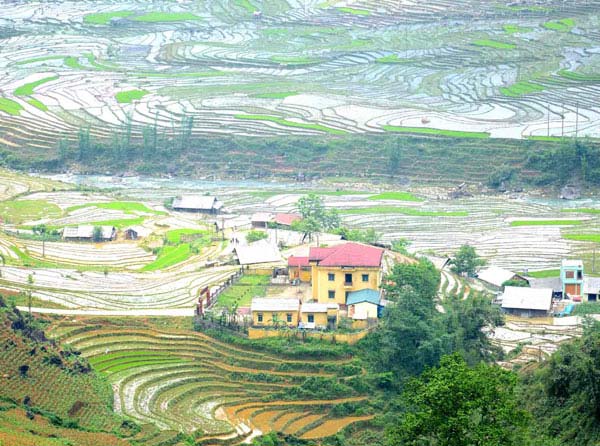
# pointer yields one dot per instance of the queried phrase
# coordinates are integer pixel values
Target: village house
(85, 233)
(274, 312)
(527, 302)
(261, 220)
(203, 204)
(314, 315)
(259, 252)
(339, 270)
(364, 304)
(136, 232)
(286, 219)
(299, 269)
(495, 277)
(571, 284)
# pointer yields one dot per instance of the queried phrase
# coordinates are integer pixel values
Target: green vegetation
(103, 18)
(582, 210)
(286, 123)
(400, 196)
(402, 210)
(27, 89)
(393, 58)
(583, 237)
(584, 308)
(545, 138)
(354, 11)
(118, 223)
(275, 95)
(174, 235)
(545, 273)
(294, 60)
(456, 405)
(156, 17)
(437, 132)
(241, 293)
(514, 29)
(11, 107)
(563, 25)
(575, 76)
(73, 62)
(521, 88)
(494, 44)
(129, 207)
(545, 222)
(169, 256)
(466, 261)
(19, 211)
(37, 104)
(127, 97)
(254, 236)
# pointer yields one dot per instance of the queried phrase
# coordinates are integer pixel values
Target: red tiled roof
(286, 219)
(348, 254)
(298, 261)
(316, 254)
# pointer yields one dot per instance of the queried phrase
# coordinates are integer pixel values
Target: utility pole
(562, 124)
(594, 261)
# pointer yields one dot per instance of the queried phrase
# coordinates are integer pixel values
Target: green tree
(455, 405)
(421, 276)
(466, 261)
(97, 234)
(311, 207)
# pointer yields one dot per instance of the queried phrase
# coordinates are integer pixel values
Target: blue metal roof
(366, 295)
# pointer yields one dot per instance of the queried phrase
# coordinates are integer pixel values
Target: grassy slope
(18, 211)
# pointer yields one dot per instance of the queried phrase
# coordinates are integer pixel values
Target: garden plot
(191, 382)
(114, 290)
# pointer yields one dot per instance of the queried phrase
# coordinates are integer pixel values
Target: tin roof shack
(86, 233)
(136, 232)
(364, 304)
(527, 302)
(203, 204)
(261, 220)
(271, 312)
(495, 277)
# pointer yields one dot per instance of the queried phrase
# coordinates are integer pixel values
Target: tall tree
(466, 261)
(455, 405)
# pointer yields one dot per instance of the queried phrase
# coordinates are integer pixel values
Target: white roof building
(495, 275)
(262, 251)
(314, 307)
(87, 232)
(275, 304)
(524, 298)
(197, 203)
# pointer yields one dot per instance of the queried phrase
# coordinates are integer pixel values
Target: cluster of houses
(536, 297)
(345, 279)
(89, 233)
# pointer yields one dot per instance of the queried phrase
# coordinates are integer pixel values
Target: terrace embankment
(435, 160)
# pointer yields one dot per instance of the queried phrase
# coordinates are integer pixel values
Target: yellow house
(299, 268)
(316, 315)
(339, 270)
(275, 312)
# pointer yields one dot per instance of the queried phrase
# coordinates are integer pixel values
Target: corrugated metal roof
(87, 231)
(279, 304)
(314, 307)
(527, 298)
(572, 263)
(199, 202)
(261, 251)
(298, 261)
(262, 217)
(287, 219)
(495, 275)
(366, 295)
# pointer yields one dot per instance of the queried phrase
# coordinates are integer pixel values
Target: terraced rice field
(193, 383)
(464, 66)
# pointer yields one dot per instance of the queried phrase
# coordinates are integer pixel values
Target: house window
(348, 279)
(331, 277)
(311, 318)
(260, 317)
(289, 317)
(570, 274)
(365, 277)
(331, 294)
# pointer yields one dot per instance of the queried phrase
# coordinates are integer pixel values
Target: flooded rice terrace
(517, 231)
